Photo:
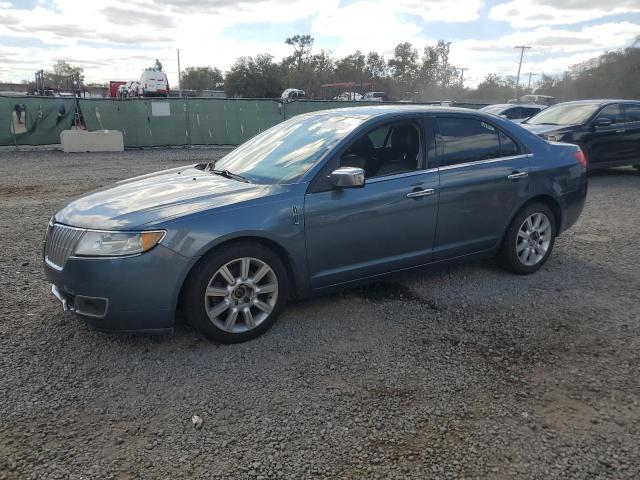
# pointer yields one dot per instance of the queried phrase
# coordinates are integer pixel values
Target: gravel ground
(467, 373)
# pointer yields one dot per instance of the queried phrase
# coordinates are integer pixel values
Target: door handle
(622, 130)
(421, 193)
(518, 175)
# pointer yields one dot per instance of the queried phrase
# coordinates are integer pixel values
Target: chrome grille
(61, 240)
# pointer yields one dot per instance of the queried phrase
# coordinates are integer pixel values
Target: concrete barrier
(74, 141)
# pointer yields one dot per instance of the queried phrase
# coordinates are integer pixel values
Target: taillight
(580, 157)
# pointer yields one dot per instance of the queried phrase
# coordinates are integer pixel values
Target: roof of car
(515, 105)
(600, 101)
(390, 109)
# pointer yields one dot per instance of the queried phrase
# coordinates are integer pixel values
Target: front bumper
(126, 294)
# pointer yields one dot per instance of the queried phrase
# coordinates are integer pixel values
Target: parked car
(537, 99)
(154, 83)
(348, 97)
(292, 94)
(375, 97)
(515, 113)
(607, 131)
(319, 202)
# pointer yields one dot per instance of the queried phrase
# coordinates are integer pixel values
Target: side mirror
(602, 122)
(347, 177)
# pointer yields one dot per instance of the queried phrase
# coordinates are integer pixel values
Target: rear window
(468, 140)
(513, 113)
(529, 112)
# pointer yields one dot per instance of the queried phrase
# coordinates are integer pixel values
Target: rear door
(605, 145)
(632, 132)
(483, 175)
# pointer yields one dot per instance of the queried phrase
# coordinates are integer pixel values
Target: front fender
(273, 223)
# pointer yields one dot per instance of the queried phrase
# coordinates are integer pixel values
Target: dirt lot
(468, 373)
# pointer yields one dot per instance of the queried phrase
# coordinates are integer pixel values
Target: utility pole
(530, 74)
(522, 49)
(462, 69)
(179, 75)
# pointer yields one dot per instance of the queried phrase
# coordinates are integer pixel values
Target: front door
(605, 145)
(387, 225)
(483, 175)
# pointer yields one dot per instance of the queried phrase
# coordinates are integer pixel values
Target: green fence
(147, 123)
(176, 121)
(34, 120)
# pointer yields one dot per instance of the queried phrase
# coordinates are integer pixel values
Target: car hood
(540, 129)
(160, 196)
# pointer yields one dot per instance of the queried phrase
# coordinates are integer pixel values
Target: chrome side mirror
(347, 177)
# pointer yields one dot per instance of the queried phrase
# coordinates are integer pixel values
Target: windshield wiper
(228, 174)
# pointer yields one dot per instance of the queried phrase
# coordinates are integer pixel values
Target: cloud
(118, 39)
(553, 50)
(534, 13)
(126, 16)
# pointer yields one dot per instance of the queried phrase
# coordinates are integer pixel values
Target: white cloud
(117, 39)
(553, 50)
(534, 13)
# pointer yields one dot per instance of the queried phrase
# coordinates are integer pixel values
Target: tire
(521, 237)
(210, 288)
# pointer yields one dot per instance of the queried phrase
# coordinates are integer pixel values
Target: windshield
(564, 114)
(495, 109)
(285, 152)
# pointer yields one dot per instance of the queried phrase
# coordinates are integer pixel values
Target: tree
(201, 78)
(375, 67)
(63, 69)
(302, 45)
(64, 77)
(444, 71)
(254, 78)
(351, 68)
(404, 65)
(494, 88)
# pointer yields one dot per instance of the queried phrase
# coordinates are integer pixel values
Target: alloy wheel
(534, 238)
(241, 295)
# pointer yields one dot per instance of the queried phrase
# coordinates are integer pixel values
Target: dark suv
(608, 131)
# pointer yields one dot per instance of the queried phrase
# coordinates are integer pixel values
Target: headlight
(113, 244)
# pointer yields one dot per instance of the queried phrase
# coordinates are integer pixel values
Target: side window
(529, 112)
(508, 147)
(468, 140)
(379, 136)
(388, 150)
(632, 112)
(513, 113)
(612, 112)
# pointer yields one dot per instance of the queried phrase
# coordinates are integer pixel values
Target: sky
(116, 40)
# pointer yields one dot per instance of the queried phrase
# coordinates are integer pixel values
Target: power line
(522, 49)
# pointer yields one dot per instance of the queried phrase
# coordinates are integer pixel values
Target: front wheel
(236, 293)
(529, 239)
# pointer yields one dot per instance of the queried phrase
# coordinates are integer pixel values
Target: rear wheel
(529, 239)
(236, 293)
